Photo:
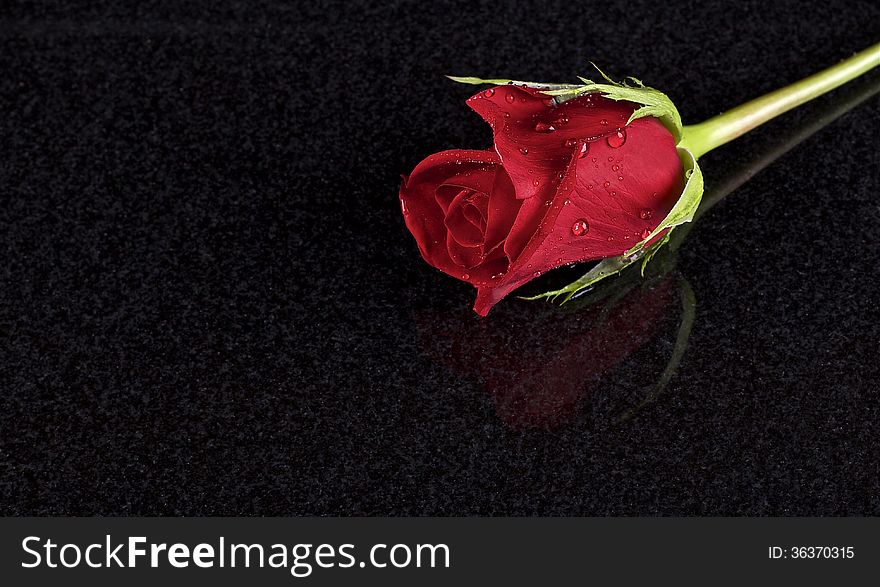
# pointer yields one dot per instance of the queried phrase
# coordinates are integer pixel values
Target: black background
(210, 303)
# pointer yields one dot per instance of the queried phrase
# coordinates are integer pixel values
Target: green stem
(705, 136)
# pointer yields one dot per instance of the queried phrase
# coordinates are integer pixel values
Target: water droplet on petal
(524, 150)
(646, 233)
(610, 239)
(617, 139)
(510, 98)
(571, 143)
(489, 93)
(536, 183)
(566, 202)
(603, 122)
(646, 214)
(607, 183)
(619, 178)
(615, 168)
(562, 119)
(549, 102)
(543, 127)
(507, 115)
(465, 276)
(580, 227)
(585, 146)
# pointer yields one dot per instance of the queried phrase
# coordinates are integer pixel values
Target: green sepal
(476, 81)
(602, 270)
(545, 88)
(653, 102)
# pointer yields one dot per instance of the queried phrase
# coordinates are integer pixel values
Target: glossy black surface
(210, 304)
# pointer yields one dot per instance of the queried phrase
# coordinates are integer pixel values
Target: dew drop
(585, 146)
(509, 98)
(571, 143)
(617, 139)
(580, 227)
(646, 214)
(646, 233)
(544, 127)
(610, 239)
(524, 150)
(562, 119)
(549, 102)
(619, 178)
(465, 276)
(536, 183)
(603, 122)
(613, 193)
(615, 168)
(566, 202)
(507, 115)
(489, 93)
(607, 183)
(547, 203)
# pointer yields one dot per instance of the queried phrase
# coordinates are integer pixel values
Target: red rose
(564, 183)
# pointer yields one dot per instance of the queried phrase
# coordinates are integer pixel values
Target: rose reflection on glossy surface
(540, 366)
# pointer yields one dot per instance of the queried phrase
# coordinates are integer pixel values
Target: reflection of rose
(537, 367)
(563, 183)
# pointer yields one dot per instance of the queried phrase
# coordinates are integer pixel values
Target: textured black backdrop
(210, 304)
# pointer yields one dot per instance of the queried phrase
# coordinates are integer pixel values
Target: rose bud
(593, 172)
(576, 180)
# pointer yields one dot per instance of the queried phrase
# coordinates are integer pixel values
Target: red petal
(460, 221)
(429, 193)
(532, 153)
(653, 179)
